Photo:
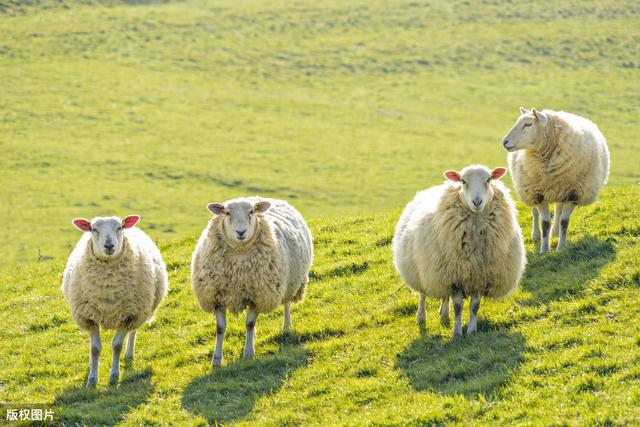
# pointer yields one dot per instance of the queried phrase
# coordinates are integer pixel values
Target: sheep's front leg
(221, 328)
(535, 233)
(421, 316)
(286, 327)
(567, 210)
(457, 312)
(94, 356)
(556, 220)
(545, 216)
(444, 311)
(116, 346)
(131, 346)
(474, 306)
(252, 316)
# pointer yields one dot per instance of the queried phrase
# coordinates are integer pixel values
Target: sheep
(254, 254)
(460, 239)
(556, 157)
(115, 278)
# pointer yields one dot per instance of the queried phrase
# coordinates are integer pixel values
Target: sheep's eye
(463, 182)
(526, 125)
(489, 180)
(120, 228)
(250, 212)
(227, 213)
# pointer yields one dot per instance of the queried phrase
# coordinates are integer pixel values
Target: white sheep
(115, 278)
(556, 157)
(254, 254)
(459, 239)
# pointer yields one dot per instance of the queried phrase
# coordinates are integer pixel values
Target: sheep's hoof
(249, 354)
(114, 377)
(535, 237)
(128, 357)
(421, 320)
(457, 334)
(91, 382)
(544, 249)
(216, 362)
(471, 331)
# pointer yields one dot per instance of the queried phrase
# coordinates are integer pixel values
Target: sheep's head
(476, 190)
(239, 222)
(528, 130)
(106, 233)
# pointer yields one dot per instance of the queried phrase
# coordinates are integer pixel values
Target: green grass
(563, 350)
(345, 109)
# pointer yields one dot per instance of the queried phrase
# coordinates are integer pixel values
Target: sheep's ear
(523, 110)
(452, 176)
(130, 221)
(540, 116)
(216, 208)
(498, 173)
(262, 206)
(82, 224)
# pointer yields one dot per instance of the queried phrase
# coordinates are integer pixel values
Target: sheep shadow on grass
(476, 364)
(564, 273)
(229, 393)
(105, 405)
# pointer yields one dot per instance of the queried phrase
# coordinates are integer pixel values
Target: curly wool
(441, 247)
(571, 164)
(265, 273)
(120, 293)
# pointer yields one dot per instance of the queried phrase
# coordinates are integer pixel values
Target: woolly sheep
(254, 254)
(556, 157)
(115, 279)
(459, 239)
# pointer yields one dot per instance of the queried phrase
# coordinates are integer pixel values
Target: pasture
(345, 109)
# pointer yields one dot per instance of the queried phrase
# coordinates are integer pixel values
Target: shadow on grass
(477, 364)
(105, 405)
(229, 393)
(566, 272)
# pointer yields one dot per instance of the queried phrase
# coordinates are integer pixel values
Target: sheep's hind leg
(421, 316)
(555, 231)
(535, 232)
(444, 311)
(221, 328)
(131, 345)
(94, 356)
(474, 306)
(564, 223)
(249, 349)
(543, 210)
(116, 346)
(457, 312)
(286, 327)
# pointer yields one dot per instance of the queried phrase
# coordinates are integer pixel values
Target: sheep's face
(239, 223)
(106, 234)
(476, 190)
(527, 132)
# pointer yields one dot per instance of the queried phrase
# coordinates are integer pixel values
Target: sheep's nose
(477, 202)
(505, 142)
(241, 233)
(109, 246)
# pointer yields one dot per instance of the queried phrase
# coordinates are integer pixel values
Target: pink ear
(82, 224)
(130, 221)
(498, 173)
(262, 206)
(216, 208)
(452, 176)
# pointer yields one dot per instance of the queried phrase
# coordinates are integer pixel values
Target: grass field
(345, 109)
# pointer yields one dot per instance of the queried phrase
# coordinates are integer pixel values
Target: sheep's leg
(116, 346)
(286, 327)
(421, 316)
(444, 311)
(94, 356)
(221, 328)
(535, 233)
(252, 316)
(474, 306)
(457, 312)
(564, 223)
(556, 220)
(131, 346)
(545, 216)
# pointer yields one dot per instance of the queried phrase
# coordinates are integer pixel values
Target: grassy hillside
(343, 108)
(564, 350)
